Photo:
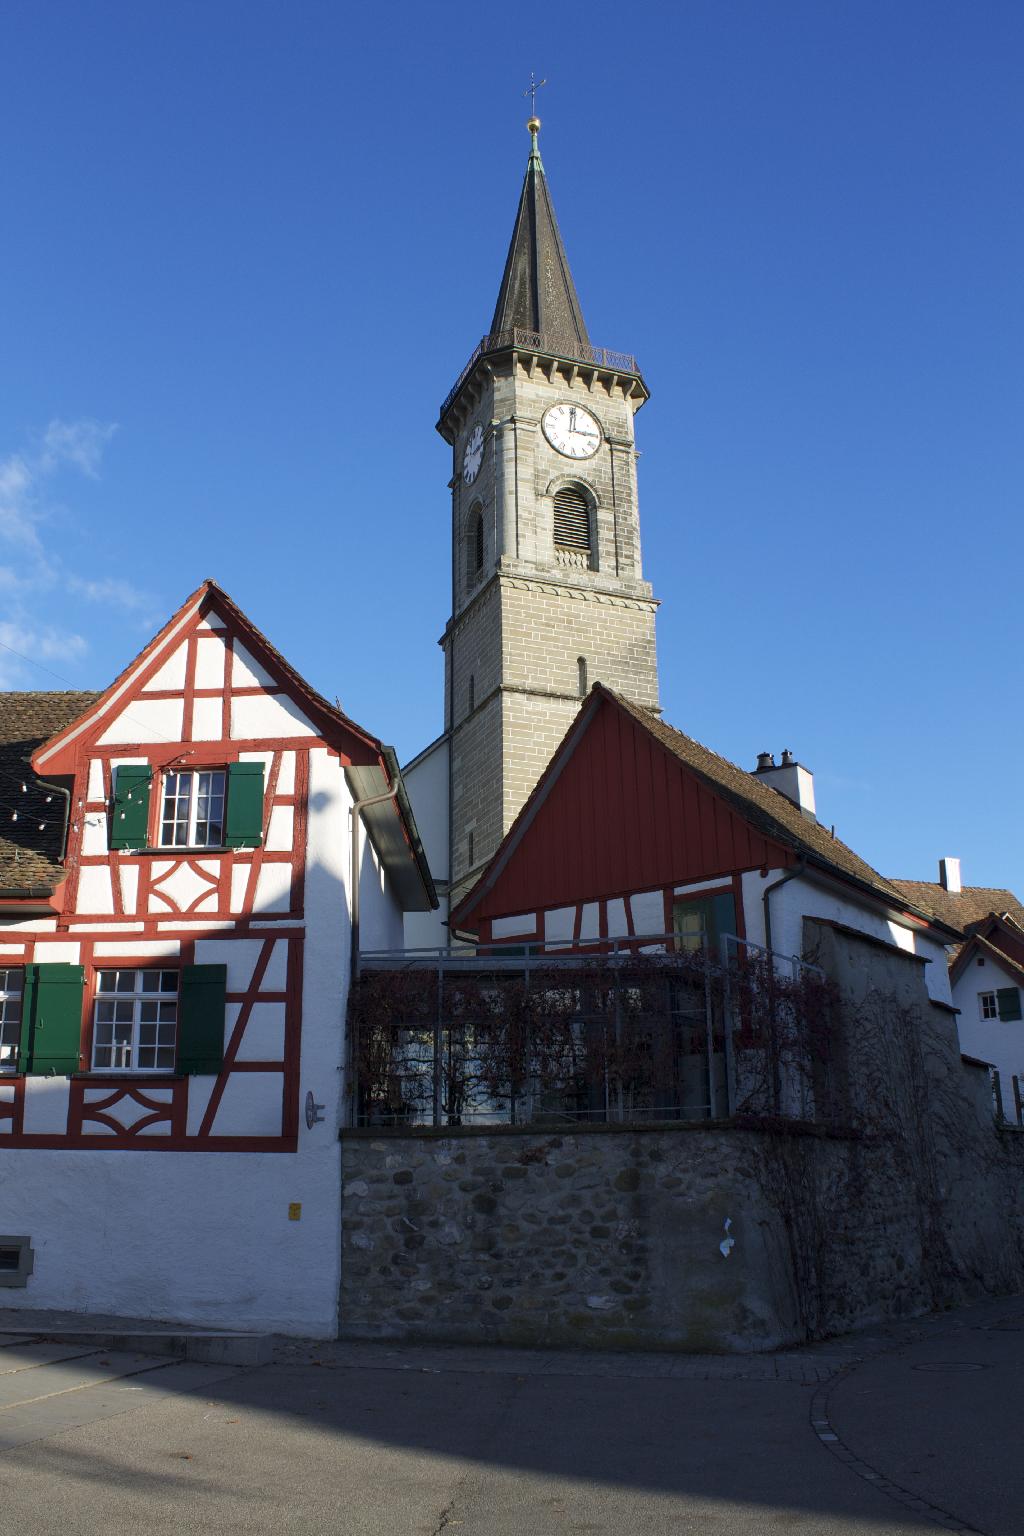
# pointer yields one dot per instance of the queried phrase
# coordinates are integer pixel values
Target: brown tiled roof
(772, 813)
(971, 905)
(30, 858)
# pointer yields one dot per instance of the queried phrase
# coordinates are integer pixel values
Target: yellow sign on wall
(295, 1211)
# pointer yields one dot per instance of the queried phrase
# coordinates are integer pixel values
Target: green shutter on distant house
(53, 1006)
(244, 826)
(129, 822)
(1008, 1001)
(27, 1003)
(201, 1019)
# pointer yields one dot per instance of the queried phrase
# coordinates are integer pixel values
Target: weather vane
(531, 91)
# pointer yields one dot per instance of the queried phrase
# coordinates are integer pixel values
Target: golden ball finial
(534, 125)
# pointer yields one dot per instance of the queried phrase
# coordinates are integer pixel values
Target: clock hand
(572, 418)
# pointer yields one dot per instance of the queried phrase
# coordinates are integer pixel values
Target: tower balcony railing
(536, 341)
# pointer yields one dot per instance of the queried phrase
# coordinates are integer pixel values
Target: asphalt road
(372, 1440)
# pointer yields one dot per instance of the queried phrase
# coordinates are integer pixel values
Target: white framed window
(11, 988)
(192, 809)
(135, 1021)
(988, 1007)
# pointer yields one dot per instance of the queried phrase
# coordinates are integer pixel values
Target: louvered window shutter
(572, 519)
(53, 1006)
(244, 823)
(129, 821)
(1008, 1000)
(201, 1019)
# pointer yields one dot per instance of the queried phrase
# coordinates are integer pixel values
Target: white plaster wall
(1000, 1041)
(800, 898)
(147, 720)
(426, 783)
(196, 1237)
(427, 930)
(380, 917)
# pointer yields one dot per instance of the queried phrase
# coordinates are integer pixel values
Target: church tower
(548, 595)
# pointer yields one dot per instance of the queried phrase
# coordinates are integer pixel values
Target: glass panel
(151, 981)
(165, 1056)
(125, 981)
(168, 981)
(147, 1033)
(148, 1013)
(107, 981)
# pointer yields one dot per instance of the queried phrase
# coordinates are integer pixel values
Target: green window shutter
(201, 1018)
(129, 822)
(54, 994)
(244, 826)
(27, 1003)
(1008, 1001)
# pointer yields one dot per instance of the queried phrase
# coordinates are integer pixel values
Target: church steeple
(537, 291)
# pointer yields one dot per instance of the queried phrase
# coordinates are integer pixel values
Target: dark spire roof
(537, 291)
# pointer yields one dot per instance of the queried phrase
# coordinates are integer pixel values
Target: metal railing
(554, 1034)
(535, 341)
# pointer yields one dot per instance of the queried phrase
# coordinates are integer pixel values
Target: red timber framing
(181, 898)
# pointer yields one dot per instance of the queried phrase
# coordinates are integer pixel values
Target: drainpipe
(790, 874)
(355, 811)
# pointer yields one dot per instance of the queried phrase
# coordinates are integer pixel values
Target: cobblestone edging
(822, 1426)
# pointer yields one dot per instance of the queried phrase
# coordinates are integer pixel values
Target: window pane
(107, 981)
(126, 981)
(168, 1013)
(151, 981)
(168, 981)
(148, 1013)
(101, 1056)
(165, 1056)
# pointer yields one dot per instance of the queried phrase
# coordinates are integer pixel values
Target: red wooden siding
(623, 815)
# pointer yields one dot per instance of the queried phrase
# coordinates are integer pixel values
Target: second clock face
(473, 457)
(570, 429)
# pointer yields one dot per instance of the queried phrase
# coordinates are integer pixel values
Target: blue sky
(248, 247)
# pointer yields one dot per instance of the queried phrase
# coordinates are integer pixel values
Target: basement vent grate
(572, 519)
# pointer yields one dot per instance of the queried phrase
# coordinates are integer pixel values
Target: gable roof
(769, 813)
(977, 942)
(372, 767)
(971, 905)
(31, 847)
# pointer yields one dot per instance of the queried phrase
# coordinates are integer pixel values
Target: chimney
(949, 876)
(790, 778)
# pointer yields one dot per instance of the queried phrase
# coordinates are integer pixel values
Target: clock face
(474, 455)
(570, 429)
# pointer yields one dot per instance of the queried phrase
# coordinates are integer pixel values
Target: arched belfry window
(474, 543)
(572, 526)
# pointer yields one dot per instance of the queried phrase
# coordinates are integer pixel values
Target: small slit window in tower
(475, 544)
(572, 526)
(581, 663)
(472, 693)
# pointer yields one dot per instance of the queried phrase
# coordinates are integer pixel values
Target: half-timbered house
(189, 861)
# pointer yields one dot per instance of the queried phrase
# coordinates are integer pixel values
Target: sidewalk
(894, 1431)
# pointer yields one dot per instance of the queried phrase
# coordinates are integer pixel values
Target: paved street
(902, 1430)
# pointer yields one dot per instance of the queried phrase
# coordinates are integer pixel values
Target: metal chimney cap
(765, 760)
(788, 760)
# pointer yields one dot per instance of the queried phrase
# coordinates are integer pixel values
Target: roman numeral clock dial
(474, 455)
(572, 431)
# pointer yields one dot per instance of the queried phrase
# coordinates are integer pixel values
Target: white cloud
(112, 592)
(80, 443)
(31, 570)
(24, 642)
